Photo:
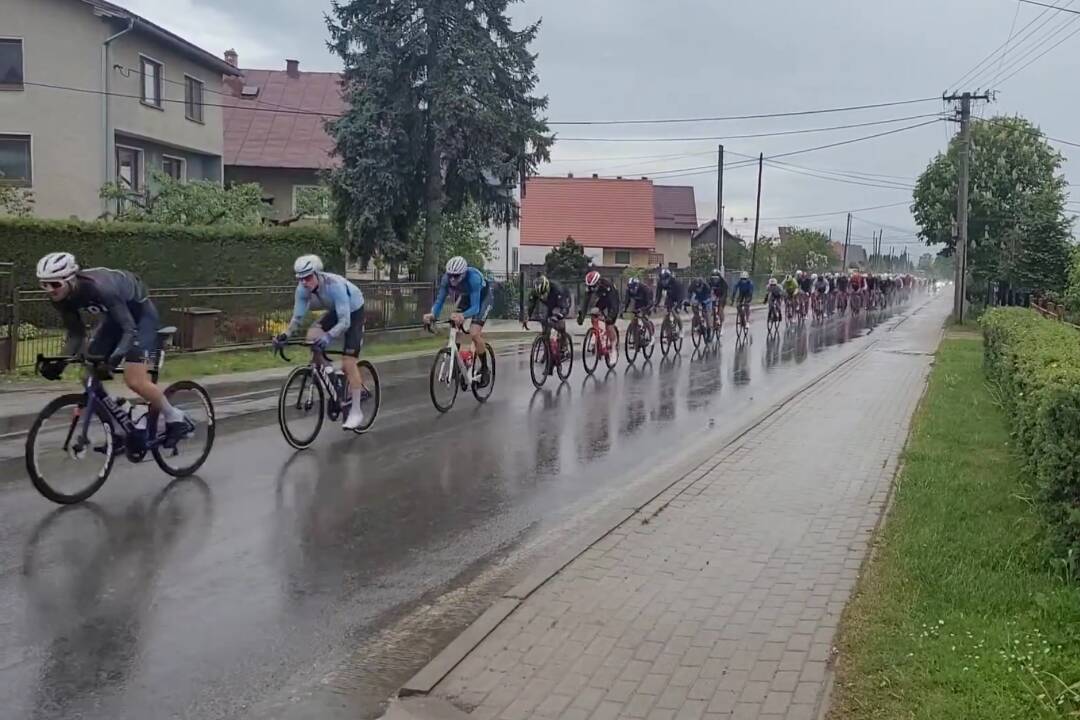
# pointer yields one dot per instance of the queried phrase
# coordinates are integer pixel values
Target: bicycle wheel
(612, 357)
(697, 333)
(666, 333)
(370, 395)
(632, 342)
(538, 361)
(676, 330)
(301, 408)
(190, 452)
(645, 338)
(590, 351)
(62, 468)
(566, 363)
(483, 393)
(443, 381)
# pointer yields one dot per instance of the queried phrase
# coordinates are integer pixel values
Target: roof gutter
(107, 129)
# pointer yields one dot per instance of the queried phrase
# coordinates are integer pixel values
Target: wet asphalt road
(311, 585)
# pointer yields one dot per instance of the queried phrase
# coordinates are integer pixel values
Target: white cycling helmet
(744, 275)
(306, 265)
(57, 266)
(456, 265)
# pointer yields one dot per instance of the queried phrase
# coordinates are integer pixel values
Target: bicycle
(791, 304)
(455, 369)
(774, 315)
(856, 302)
(670, 333)
(639, 337)
(700, 329)
(842, 303)
(115, 431)
(818, 303)
(601, 340)
(742, 321)
(717, 319)
(320, 391)
(550, 353)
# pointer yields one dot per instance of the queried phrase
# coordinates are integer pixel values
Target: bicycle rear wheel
(301, 408)
(61, 467)
(483, 393)
(190, 452)
(370, 396)
(443, 381)
(538, 361)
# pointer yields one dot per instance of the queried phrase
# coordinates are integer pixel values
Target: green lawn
(960, 614)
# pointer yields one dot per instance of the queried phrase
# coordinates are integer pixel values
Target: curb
(693, 458)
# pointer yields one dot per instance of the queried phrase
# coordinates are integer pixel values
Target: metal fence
(7, 316)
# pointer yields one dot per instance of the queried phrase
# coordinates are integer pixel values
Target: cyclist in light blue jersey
(344, 318)
(475, 298)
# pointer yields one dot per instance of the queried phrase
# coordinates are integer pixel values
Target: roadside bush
(171, 255)
(1036, 364)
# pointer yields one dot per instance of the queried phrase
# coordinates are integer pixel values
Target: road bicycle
(639, 336)
(316, 391)
(742, 320)
(670, 333)
(80, 434)
(818, 303)
(717, 319)
(701, 330)
(842, 303)
(455, 369)
(857, 300)
(552, 352)
(791, 305)
(774, 315)
(601, 341)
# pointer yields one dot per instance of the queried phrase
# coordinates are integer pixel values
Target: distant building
(675, 222)
(706, 235)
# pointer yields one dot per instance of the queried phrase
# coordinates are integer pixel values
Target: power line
(752, 116)
(836, 212)
(852, 140)
(861, 183)
(1001, 81)
(1052, 7)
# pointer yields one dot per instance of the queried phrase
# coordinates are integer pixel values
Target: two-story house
(92, 93)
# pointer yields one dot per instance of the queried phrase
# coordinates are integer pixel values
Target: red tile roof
(674, 208)
(596, 212)
(273, 129)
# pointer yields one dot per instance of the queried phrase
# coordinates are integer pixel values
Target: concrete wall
(62, 45)
(675, 246)
(277, 184)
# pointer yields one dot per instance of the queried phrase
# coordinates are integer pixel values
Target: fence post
(13, 330)
(521, 295)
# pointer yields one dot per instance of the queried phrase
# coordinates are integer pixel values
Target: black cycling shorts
(109, 334)
(608, 306)
(354, 336)
(487, 301)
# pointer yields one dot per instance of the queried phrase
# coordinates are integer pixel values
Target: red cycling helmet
(592, 278)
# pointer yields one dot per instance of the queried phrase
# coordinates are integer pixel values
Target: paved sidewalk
(722, 597)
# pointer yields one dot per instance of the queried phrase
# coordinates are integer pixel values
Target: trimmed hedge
(171, 255)
(1036, 364)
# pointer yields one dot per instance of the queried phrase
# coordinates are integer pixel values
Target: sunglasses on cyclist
(52, 285)
(455, 279)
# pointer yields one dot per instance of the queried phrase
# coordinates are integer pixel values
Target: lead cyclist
(475, 298)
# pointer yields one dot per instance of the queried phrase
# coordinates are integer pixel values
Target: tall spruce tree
(441, 112)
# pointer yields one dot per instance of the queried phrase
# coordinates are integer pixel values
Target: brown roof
(674, 208)
(282, 126)
(596, 212)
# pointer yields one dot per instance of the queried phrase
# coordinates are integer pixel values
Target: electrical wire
(1002, 81)
(806, 173)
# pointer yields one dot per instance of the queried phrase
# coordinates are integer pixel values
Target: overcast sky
(644, 59)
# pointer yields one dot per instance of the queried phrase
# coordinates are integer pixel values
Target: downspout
(105, 101)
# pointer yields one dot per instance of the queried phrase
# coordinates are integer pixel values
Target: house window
(15, 165)
(11, 64)
(622, 257)
(129, 168)
(174, 167)
(151, 82)
(673, 266)
(193, 99)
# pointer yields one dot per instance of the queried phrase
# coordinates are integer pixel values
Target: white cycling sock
(172, 414)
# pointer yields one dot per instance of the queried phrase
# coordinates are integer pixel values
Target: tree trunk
(433, 212)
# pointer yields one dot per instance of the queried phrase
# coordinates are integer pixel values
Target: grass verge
(959, 614)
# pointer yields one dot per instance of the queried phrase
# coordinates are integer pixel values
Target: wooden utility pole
(720, 209)
(964, 162)
(847, 242)
(757, 213)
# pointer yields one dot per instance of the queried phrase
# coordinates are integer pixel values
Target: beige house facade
(91, 93)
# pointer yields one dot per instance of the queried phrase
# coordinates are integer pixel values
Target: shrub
(171, 255)
(1036, 364)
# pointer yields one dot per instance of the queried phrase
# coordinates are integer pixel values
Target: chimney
(232, 58)
(595, 176)
(569, 175)
(292, 68)
(618, 177)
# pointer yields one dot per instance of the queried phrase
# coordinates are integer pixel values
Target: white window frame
(183, 165)
(29, 183)
(160, 82)
(22, 45)
(295, 192)
(201, 120)
(141, 170)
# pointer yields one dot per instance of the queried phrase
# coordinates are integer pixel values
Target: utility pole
(757, 213)
(720, 209)
(959, 291)
(847, 242)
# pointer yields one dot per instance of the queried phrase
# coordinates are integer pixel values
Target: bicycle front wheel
(633, 341)
(612, 356)
(443, 381)
(370, 395)
(566, 362)
(190, 452)
(538, 361)
(666, 333)
(697, 333)
(301, 408)
(65, 466)
(590, 351)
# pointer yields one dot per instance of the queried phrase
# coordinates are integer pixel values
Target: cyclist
(673, 293)
(774, 296)
(344, 318)
(743, 294)
(700, 298)
(468, 287)
(842, 283)
(553, 299)
(602, 293)
(791, 287)
(719, 290)
(127, 331)
(642, 297)
(806, 286)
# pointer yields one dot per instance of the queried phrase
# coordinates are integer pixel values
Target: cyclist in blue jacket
(475, 298)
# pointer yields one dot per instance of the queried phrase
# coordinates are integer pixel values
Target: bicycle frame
(470, 374)
(603, 344)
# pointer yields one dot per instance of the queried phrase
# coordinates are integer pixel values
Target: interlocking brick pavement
(721, 598)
